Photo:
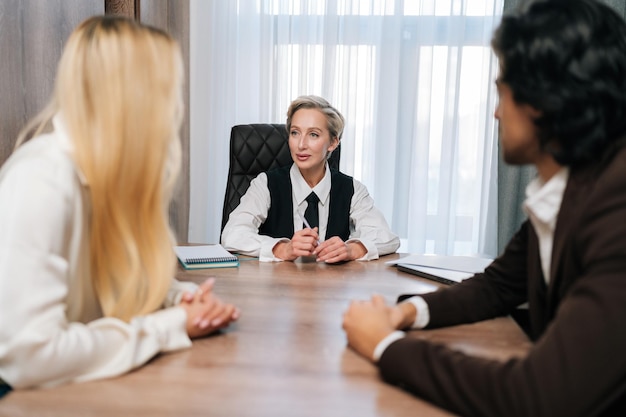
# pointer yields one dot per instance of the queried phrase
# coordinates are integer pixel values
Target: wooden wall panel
(32, 35)
(128, 8)
(173, 16)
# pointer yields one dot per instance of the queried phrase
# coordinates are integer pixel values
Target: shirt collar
(301, 189)
(66, 144)
(543, 199)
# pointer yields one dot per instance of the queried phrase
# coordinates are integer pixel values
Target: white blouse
(367, 224)
(51, 326)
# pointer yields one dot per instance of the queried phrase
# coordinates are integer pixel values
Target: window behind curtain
(413, 79)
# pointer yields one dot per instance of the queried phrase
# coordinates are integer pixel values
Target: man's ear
(533, 112)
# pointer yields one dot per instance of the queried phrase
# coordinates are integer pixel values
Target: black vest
(279, 222)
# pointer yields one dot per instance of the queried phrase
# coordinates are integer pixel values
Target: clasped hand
(306, 242)
(366, 323)
(206, 313)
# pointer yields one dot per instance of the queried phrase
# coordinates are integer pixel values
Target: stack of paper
(446, 269)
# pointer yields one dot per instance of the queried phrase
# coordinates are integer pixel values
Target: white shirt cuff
(266, 253)
(168, 326)
(422, 317)
(384, 344)
(177, 289)
(371, 250)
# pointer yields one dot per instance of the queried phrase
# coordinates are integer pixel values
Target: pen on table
(306, 223)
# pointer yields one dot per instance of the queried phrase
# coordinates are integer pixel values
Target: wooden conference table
(286, 356)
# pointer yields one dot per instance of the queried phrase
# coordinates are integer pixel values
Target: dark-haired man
(562, 108)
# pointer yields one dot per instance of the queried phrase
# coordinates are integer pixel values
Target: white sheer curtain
(413, 78)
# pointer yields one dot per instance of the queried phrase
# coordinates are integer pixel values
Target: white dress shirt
(52, 330)
(542, 205)
(367, 224)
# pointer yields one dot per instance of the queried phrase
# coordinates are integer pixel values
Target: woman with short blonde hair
(307, 209)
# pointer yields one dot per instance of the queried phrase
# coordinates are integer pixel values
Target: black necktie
(311, 214)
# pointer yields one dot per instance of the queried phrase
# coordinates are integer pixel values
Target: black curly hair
(567, 59)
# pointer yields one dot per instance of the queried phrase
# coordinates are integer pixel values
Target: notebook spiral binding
(209, 260)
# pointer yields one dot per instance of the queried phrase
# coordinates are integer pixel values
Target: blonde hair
(334, 119)
(118, 90)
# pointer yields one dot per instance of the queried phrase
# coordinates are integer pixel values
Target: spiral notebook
(205, 256)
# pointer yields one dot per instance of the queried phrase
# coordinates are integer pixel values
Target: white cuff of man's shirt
(421, 321)
(423, 314)
(384, 344)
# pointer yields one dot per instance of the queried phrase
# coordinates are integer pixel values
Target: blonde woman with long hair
(86, 260)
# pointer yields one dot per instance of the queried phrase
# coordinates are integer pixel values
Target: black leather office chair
(256, 148)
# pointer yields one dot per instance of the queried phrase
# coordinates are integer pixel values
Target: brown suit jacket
(577, 366)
